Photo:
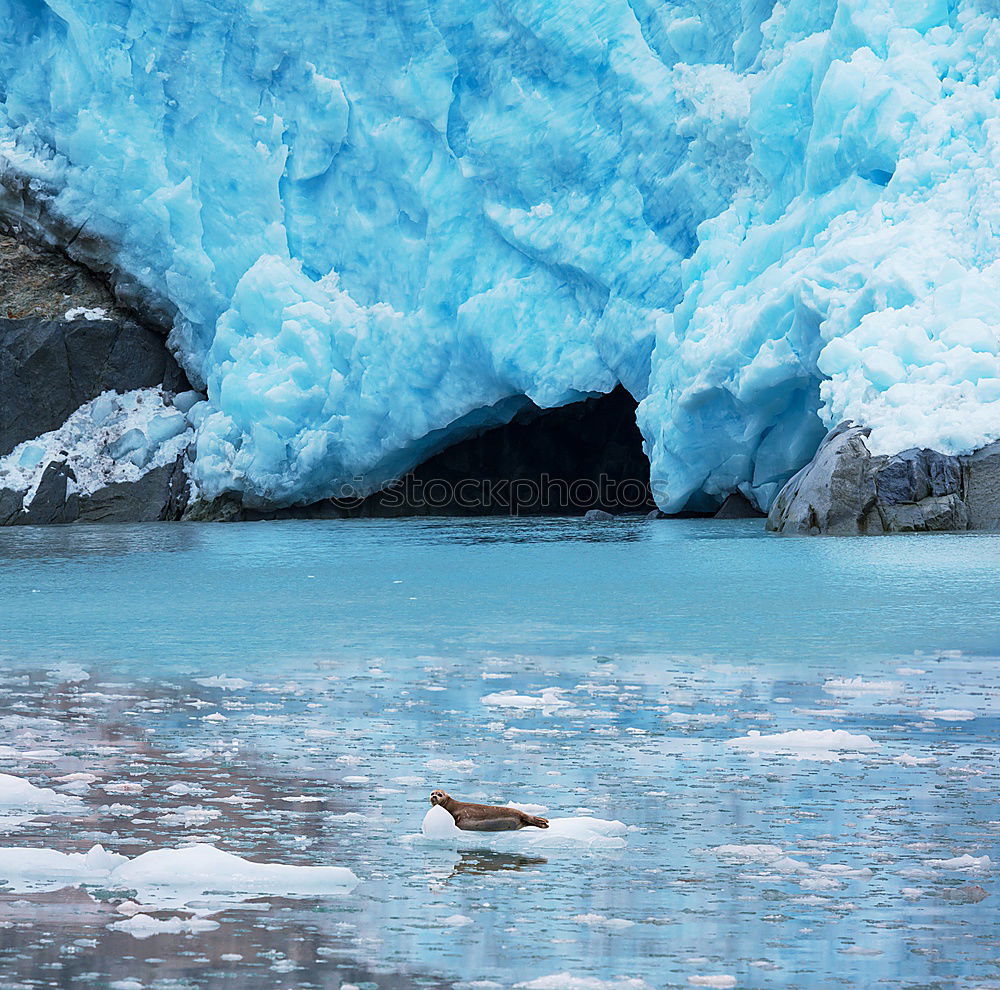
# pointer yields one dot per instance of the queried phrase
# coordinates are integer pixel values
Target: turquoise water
(362, 653)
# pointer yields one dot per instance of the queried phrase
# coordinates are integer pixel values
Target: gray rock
(845, 490)
(159, 495)
(939, 513)
(50, 503)
(10, 505)
(834, 493)
(914, 475)
(738, 506)
(50, 366)
(981, 484)
(597, 515)
(224, 508)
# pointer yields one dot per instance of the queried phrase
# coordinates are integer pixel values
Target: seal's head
(438, 797)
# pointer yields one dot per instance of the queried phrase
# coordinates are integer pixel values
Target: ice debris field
(378, 234)
(737, 798)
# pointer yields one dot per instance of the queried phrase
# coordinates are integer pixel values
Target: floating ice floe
(18, 794)
(223, 681)
(547, 700)
(828, 745)
(567, 981)
(950, 715)
(964, 864)
(586, 833)
(856, 687)
(198, 877)
(601, 921)
(722, 980)
(906, 760)
(145, 926)
(826, 877)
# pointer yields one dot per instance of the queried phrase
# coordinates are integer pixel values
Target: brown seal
(485, 817)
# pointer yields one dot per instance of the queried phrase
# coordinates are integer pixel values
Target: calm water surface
(291, 692)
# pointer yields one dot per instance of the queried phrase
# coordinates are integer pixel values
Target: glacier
(376, 229)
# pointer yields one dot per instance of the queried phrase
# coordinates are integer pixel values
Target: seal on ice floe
(485, 817)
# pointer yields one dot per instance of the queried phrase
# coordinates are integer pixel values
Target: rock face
(845, 490)
(64, 340)
(159, 495)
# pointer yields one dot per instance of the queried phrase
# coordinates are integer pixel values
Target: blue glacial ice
(378, 231)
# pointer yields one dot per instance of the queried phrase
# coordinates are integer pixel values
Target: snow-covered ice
(587, 833)
(807, 744)
(110, 439)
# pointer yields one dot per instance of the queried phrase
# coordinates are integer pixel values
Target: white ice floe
(856, 687)
(18, 794)
(198, 876)
(144, 926)
(828, 745)
(600, 921)
(531, 809)
(964, 864)
(753, 853)
(905, 760)
(713, 980)
(950, 714)
(567, 981)
(586, 833)
(546, 701)
(224, 682)
(190, 816)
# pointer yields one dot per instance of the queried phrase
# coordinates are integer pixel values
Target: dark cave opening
(563, 461)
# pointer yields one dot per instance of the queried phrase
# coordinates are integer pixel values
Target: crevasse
(379, 229)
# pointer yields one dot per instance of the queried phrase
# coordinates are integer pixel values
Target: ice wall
(859, 276)
(382, 226)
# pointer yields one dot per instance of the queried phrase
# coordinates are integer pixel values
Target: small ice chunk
(160, 429)
(713, 980)
(600, 921)
(144, 926)
(905, 760)
(855, 687)
(223, 681)
(964, 864)
(829, 745)
(31, 456)
(128, 443)
(753, 853)
(102, 408)
(951, 715)
(185, 400)
(84, 313)
(567, 981)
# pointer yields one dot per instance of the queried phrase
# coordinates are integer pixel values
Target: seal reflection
(480, 862)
